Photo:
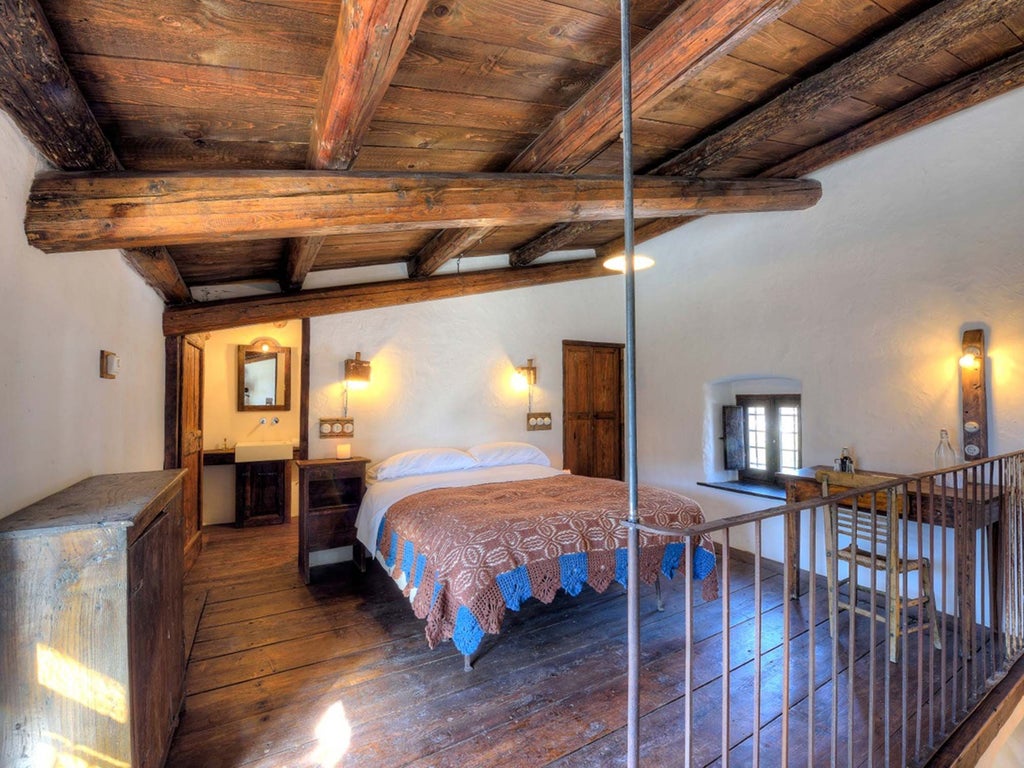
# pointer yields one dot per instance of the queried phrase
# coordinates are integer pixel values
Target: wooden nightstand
(329, 494)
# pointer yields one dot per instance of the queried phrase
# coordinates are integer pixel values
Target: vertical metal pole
(633, 563)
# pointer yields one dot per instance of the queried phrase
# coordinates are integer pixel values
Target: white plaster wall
(223, 421)
(862, 299)
(442, 371)
(59, 421)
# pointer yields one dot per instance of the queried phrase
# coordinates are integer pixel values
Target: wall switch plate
(337, 427)
(538, 421)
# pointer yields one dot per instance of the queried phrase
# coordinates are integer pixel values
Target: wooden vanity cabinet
(261, 493)
(91, 637)
(330, 491)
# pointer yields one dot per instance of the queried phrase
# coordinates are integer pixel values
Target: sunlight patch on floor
(334, 735)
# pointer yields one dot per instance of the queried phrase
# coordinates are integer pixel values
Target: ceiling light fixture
(618, 263)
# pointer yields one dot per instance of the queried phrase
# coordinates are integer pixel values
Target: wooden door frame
(173, 372)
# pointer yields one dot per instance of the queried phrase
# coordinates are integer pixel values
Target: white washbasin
(271, 450)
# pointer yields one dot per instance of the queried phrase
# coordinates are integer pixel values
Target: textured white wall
(59, 421)
(441, 371)
(862, 299)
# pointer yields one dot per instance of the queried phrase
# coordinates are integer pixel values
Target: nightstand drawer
(326, 529)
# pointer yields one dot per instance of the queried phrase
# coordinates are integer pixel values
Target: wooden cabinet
(261, 493)
(330, 491)
(91, 641)
(592, 404)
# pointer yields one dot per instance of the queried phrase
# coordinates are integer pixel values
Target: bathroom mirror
(264, 376)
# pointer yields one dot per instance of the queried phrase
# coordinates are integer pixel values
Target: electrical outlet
(337, 427)
(538, 421)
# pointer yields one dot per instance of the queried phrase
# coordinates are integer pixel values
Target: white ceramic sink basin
(271, 450)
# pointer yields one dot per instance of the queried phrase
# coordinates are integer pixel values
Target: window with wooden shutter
(768, 429)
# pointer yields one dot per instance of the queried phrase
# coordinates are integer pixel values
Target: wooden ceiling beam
(980, 85)
(913, 42)
(217, 315)
(533, 250)
(369, 43)
(692, 37)
(41, 96)
(72, 212)
(997, 78)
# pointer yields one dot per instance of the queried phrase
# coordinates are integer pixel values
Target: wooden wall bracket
(973, 397)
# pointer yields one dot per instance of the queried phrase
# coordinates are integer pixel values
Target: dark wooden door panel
(592, 408)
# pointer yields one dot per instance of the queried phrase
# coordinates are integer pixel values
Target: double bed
(485, 533)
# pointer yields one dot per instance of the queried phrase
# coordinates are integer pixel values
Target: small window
(769, 432)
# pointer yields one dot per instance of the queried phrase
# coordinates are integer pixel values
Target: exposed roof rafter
(369, 43)
(38, 91)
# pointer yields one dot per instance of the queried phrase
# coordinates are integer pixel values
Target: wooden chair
(848, 537)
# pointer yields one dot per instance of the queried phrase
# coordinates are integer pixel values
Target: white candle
(344, 451)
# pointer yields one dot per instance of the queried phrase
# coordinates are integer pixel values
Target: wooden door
(592, 391)
(183, 432)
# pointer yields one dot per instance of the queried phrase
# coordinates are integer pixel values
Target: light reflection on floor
(334, 735)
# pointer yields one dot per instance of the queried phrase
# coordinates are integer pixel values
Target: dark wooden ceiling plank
(487, 69)
(370, 40)
(691, 38)
(419, 106)
(974, 88)
(39, 93)
(70, 212)
(990, 81)
(532, 25)
(238, 34)
(166, 154)
(840, 22)
(331, 301)
(912, 42)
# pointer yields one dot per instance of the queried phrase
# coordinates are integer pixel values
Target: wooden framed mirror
(264, 376)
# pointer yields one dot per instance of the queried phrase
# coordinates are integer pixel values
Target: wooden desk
(965, 511)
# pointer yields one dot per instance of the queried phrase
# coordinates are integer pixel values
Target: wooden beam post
(371, 38)
(70, 212)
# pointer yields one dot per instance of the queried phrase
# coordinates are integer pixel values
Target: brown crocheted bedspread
(454, 543)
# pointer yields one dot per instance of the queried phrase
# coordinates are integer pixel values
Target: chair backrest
(863, 518)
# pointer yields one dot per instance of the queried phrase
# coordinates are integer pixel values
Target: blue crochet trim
(408, 557)
(515, 587)
(437, 589)
(468, 632)
(393, 551)
(421, 565)
(515, 584)
(573, 568)
(673, 554)
(703, 563)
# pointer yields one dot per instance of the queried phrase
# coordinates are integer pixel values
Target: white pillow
(502, 454)
(422, 461)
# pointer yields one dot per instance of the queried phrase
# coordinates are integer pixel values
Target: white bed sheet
(382, 494)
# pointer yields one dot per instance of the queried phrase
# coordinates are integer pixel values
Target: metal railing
(803, 681)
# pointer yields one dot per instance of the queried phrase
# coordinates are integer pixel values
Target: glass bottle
(845, 460)
(945, 456)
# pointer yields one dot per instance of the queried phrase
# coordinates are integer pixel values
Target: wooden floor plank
(274, 656)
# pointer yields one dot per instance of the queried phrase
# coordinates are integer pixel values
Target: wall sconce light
(971, 358)
(357, 376)
(618, 263)
(973, 395)
(526, 378)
